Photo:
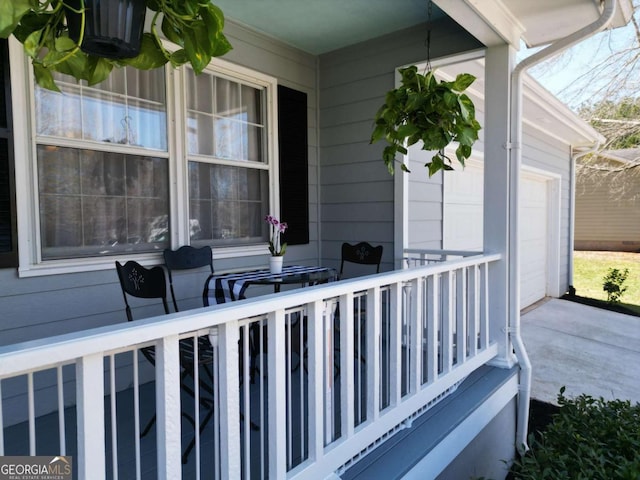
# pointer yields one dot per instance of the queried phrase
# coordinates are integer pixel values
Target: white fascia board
(578, 131)
(487, 20)
(623, 15)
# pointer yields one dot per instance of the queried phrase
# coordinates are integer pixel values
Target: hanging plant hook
(427, 67)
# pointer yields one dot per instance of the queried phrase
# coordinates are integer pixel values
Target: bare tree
(605, 92)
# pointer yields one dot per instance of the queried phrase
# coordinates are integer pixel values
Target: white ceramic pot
(275, 264)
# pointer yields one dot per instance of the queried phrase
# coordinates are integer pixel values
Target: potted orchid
(276, 248)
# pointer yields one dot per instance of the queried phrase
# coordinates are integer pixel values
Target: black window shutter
(294, 164)
(8, 228)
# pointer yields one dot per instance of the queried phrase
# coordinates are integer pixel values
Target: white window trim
(30, 263)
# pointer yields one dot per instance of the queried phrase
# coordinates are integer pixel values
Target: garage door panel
(534, 234)
(463, 224)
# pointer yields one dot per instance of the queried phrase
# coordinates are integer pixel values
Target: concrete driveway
(586, 349)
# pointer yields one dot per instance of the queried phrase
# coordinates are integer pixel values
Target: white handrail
(434, 320)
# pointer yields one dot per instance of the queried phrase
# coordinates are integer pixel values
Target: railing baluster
(447, 322)
(261, 400)
(248, 376)
(415, 322)
(395, 340)
(215, 363)
(316, 363)
(196, 404)
(114, 417)
(357, 341)
(433, 321)
(461, 315)
(136, 412)
(372, 354)
(301, 375)
(32, 415)
(347, 394)
(168, 408)
(90, 411)
(61, 421)
(484, 306)
(276, 394)
(289, 391)
(474, 311)
(229, 399)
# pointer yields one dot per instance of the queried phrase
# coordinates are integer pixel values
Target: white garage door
(534, 235)
(463, 193)
(463, 230)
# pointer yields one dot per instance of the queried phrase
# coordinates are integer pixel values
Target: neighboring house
(608, 202)
(281, 125)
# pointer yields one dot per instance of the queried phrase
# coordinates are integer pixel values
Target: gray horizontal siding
(607, 212)
(353, 84)
(553, 155)
(48, 305)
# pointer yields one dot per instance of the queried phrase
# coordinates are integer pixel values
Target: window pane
(101, 203)
(227, 204)
(57, 115)
(252, 102)
(228, 124)
(128, 108)
(227, 98)
(200, 96)
(228, 138)
(200, 133)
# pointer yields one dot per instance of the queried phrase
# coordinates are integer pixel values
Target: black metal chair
(362, 253)
(150, 283)
(186, 258)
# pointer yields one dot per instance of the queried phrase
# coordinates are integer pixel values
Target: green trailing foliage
(434, 112)
(587, 439)
(613, 283)
(196, 26)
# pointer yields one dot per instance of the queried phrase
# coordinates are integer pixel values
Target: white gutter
(514, 182)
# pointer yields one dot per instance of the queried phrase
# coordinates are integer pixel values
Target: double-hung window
(145, 161)
(102, 166)
(227, 160)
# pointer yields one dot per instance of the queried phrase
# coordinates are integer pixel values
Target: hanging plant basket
(113, 28)
(111, 35)
(426, 110)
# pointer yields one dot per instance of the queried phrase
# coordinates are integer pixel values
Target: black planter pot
(113, 28)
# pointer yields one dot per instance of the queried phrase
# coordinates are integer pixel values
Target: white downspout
(572, 207)
(514, 181)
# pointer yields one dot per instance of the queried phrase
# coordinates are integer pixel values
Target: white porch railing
(304, 383)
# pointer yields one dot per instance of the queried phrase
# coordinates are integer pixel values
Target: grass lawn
(591, 267)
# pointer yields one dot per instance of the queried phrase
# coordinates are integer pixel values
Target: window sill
(59, 267)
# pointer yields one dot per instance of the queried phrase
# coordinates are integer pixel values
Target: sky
(561, 74)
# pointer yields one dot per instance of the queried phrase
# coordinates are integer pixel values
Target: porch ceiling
(321, 26)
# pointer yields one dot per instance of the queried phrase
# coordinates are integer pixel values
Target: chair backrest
(362, 253)
(141, 282)
(186, 258)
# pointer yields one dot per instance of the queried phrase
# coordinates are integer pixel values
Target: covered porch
(307, 383)
(330, 388)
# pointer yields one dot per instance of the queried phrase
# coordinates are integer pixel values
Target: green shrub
(613, 281)
(587, 439)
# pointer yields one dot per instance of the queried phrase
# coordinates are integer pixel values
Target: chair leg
(192, 443)
(149, 425)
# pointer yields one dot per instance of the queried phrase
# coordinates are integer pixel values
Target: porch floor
(586, 349)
